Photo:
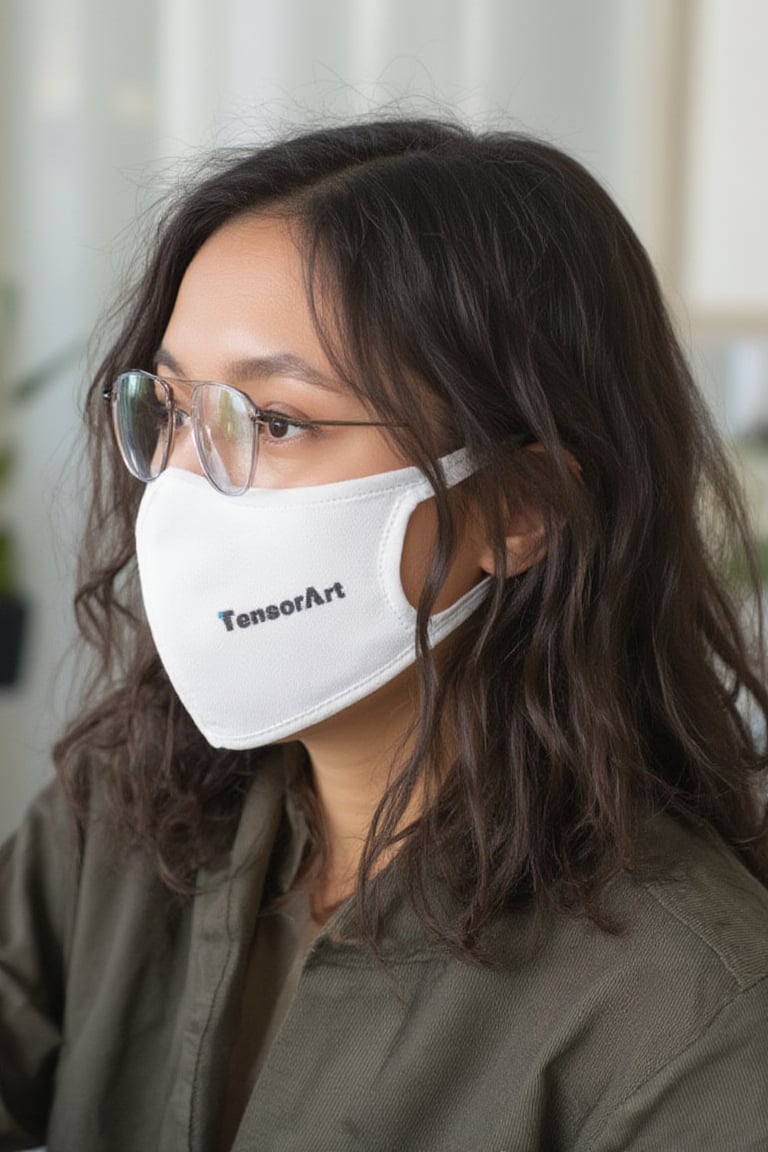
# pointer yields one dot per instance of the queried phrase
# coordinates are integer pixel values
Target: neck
(353, 758)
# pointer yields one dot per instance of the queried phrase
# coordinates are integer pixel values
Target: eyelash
(299, 425)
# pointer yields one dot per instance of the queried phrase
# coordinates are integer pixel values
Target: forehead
(244, 295)
(246, 242)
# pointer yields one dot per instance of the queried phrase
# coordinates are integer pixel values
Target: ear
(526, 537)
(525, 543)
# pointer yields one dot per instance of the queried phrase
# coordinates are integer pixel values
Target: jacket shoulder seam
(711, 946)
(705, 1028)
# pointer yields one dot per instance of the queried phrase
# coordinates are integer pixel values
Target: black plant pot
(13, 616)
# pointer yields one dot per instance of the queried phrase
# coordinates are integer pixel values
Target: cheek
(418, 550)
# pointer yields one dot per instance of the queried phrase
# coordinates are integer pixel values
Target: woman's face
(242, 318)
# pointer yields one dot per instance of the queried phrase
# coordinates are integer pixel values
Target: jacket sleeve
(38, 886)
(713, 1095)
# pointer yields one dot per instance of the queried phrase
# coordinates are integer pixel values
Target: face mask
(279, 608)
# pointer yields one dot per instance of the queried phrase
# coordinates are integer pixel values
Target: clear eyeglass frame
(226, 427)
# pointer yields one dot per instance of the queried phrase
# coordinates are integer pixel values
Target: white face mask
(276, 609)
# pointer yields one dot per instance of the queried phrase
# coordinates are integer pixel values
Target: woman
(420, 811)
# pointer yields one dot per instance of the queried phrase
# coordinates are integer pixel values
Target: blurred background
(102, 103)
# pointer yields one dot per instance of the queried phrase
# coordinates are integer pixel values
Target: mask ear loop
(455, 467)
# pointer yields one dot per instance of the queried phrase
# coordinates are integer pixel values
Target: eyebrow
(258, 368)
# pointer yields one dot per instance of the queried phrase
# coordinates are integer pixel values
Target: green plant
(7, 581)
(7, 578)
(20, 391)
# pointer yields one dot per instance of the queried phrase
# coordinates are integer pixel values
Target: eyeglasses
(226, 426)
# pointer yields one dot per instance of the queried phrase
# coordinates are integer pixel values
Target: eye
(280, 427)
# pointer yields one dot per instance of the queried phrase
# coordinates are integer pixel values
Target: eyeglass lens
(142, 423)
(225, 437)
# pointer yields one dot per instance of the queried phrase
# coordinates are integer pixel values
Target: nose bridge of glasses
(182, 451)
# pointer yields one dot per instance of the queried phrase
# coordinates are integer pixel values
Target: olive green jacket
(117, 1006)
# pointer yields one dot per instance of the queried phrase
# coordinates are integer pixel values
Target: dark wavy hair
(487, 278)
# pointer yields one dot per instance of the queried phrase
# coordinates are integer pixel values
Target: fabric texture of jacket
(118, 1003)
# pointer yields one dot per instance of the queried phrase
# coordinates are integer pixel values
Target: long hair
(487, 278)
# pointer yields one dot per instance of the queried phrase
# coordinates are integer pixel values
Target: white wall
(726, 226)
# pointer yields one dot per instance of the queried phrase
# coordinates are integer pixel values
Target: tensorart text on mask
(303, 602)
